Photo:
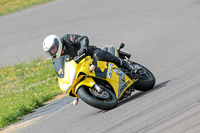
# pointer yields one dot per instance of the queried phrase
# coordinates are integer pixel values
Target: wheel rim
(103, 96)
(143, 73)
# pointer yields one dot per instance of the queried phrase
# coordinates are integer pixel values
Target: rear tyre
(106, 101)
(146, 78)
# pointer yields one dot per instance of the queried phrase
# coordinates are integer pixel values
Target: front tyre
(107, 101)
(146, 78)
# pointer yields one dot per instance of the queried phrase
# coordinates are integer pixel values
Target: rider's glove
(81, 51)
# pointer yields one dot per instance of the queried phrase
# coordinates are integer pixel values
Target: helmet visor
(53, 50)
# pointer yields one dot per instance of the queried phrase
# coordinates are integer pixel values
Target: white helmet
(52, 46)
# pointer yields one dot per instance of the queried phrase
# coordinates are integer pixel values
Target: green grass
(25, 87)
(10, 6)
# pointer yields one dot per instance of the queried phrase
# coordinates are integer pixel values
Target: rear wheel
(146, 78)
(102, 100)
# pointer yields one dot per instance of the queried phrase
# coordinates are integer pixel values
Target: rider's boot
(125, 64)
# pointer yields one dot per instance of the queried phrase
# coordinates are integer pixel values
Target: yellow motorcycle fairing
(69, 75)
(72, 76)
(89, 82)
(113, 75)
(108, 71)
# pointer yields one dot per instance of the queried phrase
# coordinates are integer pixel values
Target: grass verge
(10, 6)
(25, 87)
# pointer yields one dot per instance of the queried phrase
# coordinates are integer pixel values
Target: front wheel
(105, 100)
(146, 79)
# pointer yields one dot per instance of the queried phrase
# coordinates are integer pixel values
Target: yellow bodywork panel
(103, 70)
(89, 82)
(69, 75)
(116, 52)
(66, 78)
(113, 75)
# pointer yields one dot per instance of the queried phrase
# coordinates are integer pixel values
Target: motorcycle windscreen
(59, 64)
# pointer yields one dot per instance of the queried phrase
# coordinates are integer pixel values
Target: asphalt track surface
(163, 35)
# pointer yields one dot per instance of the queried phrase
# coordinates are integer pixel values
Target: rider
(73, 45)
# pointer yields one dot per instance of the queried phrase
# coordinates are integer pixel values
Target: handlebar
(79, 58)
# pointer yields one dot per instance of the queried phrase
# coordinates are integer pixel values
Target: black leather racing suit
(72, 43)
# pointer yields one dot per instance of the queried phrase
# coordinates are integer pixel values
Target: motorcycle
(101, 84)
